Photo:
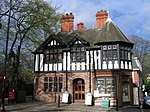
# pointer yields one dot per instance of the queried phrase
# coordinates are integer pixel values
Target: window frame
(78, 54)
(53, 56)
(53, 85)
(113, 87)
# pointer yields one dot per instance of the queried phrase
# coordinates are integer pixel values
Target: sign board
(65, 97)
(11, 94)
(88, 99)
(105, 102)
(135, 96)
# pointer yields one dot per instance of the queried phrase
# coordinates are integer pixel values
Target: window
(106, 86)
(110, 52)
(125, 53)
(114, 54)
(125, 89)
(53, 56)
(122, 54)
(78, 54)
(53, 84)
(104, 55)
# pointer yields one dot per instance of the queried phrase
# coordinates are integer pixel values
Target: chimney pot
(80, 26)
(67, 23)
(101, 17)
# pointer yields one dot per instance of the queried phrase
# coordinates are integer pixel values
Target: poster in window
(101, 86)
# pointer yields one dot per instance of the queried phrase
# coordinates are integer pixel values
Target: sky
(131, 16)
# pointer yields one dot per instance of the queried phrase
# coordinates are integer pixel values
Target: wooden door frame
(82, 92)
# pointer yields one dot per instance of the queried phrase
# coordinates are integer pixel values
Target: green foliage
(31, 21)
(147, 82)
(27, 76)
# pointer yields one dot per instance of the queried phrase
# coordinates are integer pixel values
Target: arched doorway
(78, 89)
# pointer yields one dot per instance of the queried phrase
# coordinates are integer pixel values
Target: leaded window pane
(50, 87)
(104, 55)
(45, 87)
(101, 86)
(110, 54)
(45, 79)
(60, 87)
(78, 54)
(53, 56)
(110, 86)
(55, 86)
(114, 54)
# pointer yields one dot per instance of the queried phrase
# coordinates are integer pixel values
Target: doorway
(79, 89)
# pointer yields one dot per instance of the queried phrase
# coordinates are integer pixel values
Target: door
(79, 89)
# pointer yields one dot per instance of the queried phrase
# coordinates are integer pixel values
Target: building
(97, 61)
(138, 92)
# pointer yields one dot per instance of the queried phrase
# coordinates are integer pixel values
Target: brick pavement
(36, 106)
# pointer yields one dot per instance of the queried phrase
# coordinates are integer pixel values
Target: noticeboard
(65, 97)
(88, 99)
(105, 102)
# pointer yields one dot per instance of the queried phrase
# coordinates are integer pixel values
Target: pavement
(38, 106)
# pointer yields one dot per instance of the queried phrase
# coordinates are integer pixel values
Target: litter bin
(105, 102)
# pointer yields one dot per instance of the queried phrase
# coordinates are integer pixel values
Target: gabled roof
(108, 34)
(111, 33)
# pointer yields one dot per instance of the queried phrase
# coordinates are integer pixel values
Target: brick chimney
(101, 17)
(80, 26)
(67, 23)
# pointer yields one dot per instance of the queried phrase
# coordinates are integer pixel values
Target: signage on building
(135, 96)
(65, 97)
(88, 99)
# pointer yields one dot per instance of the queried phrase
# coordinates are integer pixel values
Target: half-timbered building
(97, 60)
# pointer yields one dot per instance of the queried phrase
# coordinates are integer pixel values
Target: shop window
(106, 86)
(53, 84)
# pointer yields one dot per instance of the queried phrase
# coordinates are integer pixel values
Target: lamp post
(117, 96)
(3, 94)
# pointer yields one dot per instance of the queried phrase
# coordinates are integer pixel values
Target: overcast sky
(131, 16)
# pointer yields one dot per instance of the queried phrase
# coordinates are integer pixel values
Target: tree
(30, 22)
(141, 49)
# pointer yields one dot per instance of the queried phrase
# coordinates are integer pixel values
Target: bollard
(58, 100)
(116, 104)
